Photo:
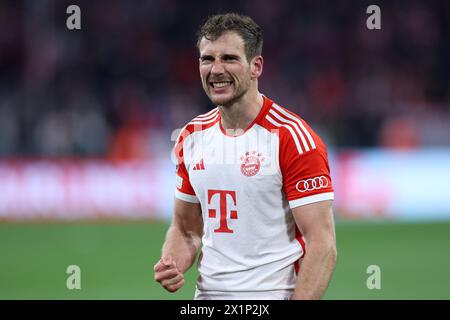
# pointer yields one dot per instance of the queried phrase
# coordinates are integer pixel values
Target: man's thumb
(168, 261)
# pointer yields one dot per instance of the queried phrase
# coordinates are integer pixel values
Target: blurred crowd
(119, 86)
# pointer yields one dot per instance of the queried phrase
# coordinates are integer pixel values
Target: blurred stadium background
(87, 121)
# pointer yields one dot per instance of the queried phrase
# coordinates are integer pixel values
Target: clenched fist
(168, 275)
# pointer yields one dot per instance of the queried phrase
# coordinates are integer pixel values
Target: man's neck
(238, 117)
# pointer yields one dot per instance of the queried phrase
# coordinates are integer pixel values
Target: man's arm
(316, 223)
(183, 240)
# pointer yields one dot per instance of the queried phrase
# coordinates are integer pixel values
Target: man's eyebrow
(206, 56)
(230, 56)
(225, 56)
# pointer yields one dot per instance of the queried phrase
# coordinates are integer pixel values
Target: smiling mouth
(220, 84)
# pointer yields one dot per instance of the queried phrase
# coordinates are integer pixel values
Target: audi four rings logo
(312, 184)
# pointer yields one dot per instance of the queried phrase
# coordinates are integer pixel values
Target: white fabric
(244, 295)
(261, 251)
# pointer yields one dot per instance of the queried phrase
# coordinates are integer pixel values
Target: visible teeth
(220, 84)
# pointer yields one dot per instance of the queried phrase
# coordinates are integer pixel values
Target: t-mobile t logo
(223, 209)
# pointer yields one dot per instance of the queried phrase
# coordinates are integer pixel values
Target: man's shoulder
(292, 128)
(203, 121)
(199, 123)
(276, 114)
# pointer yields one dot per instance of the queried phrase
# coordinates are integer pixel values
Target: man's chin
(221, 101)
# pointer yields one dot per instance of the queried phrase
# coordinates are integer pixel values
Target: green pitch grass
(116, 260)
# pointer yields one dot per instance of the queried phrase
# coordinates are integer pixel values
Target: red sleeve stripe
(298, 121)
(207, 115)
(293, 125)
(277, 124)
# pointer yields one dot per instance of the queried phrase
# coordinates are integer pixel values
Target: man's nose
(217, 67)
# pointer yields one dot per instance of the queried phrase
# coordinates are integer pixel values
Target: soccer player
(254, 191)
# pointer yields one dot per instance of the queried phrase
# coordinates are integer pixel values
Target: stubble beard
(240, 92)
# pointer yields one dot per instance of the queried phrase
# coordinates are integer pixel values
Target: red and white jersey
(246, 186)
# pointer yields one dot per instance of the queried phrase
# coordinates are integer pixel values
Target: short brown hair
(244, 26)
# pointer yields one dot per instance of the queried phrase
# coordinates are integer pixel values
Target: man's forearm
(182, 247)
(316, 270)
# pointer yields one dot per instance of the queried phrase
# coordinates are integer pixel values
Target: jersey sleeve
(184, 190)
(304, 166)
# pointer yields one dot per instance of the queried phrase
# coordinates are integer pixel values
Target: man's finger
(166, 274)
(159, 266)
(175, 287)
(172, 281)
(164, 263)
(168, 261)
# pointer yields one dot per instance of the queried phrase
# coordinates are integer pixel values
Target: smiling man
(254, 191)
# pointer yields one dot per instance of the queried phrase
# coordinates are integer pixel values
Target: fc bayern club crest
(251, 163)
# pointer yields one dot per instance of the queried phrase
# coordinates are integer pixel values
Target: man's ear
(256, 66)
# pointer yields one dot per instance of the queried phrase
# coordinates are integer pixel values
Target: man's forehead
(229, 42)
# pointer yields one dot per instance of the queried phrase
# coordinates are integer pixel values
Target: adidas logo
(200, 165)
